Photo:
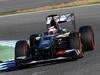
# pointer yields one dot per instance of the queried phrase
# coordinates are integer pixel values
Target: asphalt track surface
(13, 5)
(20, 26)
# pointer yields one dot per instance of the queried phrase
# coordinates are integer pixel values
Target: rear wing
(69, 17)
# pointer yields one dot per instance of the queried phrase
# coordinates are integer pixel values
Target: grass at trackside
(6, 53)
(8, 13)
(63, 5)
(95, 3)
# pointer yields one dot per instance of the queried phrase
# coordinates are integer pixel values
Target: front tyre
(87, 37)
(21, 50)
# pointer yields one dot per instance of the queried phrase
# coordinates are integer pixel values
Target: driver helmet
(52, 30)
(53, 23)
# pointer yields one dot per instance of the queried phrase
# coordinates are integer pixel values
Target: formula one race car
(56, 43)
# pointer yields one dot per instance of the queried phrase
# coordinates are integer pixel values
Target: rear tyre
(75, 43)
(87, 38)
(21, 50)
